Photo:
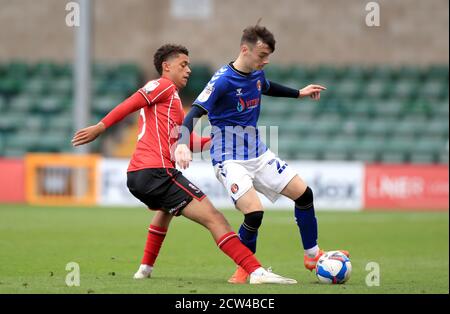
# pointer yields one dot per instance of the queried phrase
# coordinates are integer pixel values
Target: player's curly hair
(252, 34)
(166, 52)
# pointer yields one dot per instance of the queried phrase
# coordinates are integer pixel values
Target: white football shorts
(268, 174)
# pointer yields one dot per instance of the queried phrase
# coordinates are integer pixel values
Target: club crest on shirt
(150, 86)
(258, 85)
(234, 188)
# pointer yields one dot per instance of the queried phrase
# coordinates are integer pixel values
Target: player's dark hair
(252, 34)
(166, 52)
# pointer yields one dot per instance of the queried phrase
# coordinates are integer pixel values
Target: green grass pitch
(36, 243)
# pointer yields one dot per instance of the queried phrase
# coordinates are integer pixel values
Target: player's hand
(183, 156)
(88, 134)
(312, 91)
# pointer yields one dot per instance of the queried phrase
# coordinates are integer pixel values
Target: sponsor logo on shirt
(240, 105)
(247, 104)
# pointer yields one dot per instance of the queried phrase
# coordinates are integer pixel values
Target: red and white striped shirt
(161, 113)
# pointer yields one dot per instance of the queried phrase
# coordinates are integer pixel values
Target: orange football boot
(310, 262)
(240, 276)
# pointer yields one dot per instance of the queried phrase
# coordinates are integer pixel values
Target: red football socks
(230, 244)
(155, 239)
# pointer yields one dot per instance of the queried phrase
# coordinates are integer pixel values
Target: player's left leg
(305, 216)
(274, 178)
(156, 235)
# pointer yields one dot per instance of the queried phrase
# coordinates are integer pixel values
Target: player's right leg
(144, 185)
(156, 235)
(302, 195)
(204, 213)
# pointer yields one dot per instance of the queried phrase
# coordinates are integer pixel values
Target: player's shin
(155, 238)
(248, 232)
(229, 244)
(307, 222)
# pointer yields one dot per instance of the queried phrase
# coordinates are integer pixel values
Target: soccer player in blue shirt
(242, 162)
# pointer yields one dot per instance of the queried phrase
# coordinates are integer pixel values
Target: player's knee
(305, 201)
(253, 220)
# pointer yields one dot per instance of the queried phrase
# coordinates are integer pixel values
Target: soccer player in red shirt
(152, 177)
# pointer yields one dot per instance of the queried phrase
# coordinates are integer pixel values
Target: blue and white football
(333, 267)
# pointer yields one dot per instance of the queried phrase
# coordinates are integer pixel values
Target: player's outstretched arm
(278, 90)
(129, 105)
(88, 134)
(312, 90)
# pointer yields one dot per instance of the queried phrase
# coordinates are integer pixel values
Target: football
(333, 267)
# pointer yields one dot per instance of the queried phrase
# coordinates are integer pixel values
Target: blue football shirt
(232, 100)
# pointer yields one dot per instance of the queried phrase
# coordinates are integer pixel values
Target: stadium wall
(308, 32)
(337, 185)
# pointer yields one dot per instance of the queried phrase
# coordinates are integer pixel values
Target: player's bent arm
(198, 143)
(189, 123)
(182, 153)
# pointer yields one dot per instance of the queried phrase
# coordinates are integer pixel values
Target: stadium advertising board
(112, 183)
(335, 185)
(422, 187)
(12, 181)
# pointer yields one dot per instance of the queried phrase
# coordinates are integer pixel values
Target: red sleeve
(157, 90)
(129, 105)
(197, 141)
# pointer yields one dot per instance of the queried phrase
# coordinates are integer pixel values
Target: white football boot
(261, 276)
(144, 271)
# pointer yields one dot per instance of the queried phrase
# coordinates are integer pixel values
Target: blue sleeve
(188, 124)
(265, 84)
(278, 90)
(215, 88)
